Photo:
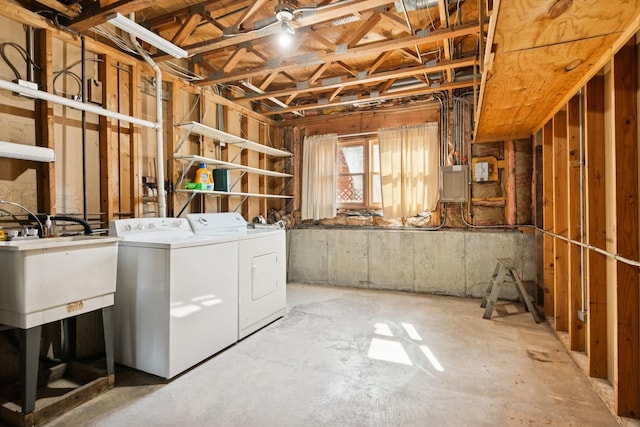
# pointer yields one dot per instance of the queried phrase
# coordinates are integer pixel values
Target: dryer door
(264, 275)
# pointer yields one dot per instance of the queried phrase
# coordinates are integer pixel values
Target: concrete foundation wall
(452, 262)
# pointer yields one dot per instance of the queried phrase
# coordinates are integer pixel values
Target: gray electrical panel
(453, 183)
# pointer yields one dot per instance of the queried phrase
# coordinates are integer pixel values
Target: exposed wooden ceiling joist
(322, 16)
(374, 78)
(399, 94)
(368, 49)
(124, 7)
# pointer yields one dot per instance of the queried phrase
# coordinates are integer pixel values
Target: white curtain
(409, 159)
(319, 176)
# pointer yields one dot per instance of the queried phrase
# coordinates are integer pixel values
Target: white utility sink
(44, 280)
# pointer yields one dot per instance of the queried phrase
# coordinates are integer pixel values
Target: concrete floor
(348, 357)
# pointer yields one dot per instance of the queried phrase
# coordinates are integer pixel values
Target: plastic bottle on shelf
(204, 178)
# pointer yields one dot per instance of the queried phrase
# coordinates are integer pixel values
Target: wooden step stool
(506, 271)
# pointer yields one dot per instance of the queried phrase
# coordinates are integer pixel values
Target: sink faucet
(25, 209)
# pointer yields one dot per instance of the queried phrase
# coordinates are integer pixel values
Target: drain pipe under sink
(162, 198)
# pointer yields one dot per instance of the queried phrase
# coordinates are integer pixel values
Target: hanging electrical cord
(22, 51)
(67, 72)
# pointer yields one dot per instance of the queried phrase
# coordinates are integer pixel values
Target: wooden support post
(135, 140)
(510, 180)
(627, 294)
(109, 172)
(560, 217)
(596, 235)
(548, 255)
(44, 124)
(576, 326)
(247, 206)
(172, 140)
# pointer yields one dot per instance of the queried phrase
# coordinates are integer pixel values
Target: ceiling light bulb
(286, 34)
(284, 39)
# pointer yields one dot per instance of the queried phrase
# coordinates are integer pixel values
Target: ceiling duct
(410, 5)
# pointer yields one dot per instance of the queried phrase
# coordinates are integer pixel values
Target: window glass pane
(376, 158)
(350, 189)
(351, 159)
(376, 191)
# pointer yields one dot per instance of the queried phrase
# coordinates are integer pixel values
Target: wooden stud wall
(548, 255)
(576, 326)
(606, 123)
(627, 366)
(560, 220)
(595, 227)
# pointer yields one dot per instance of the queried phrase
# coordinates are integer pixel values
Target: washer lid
(218, 223)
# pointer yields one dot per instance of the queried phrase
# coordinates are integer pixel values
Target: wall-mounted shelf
(225, 138)
(235, 193)
(200, 129)
(229, 165)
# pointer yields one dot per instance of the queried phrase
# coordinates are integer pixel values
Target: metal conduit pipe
(46, 96)
(162, 198)
(552, 234)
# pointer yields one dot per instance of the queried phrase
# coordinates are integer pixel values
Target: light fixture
(26, 152)
(126, 24)
(284, 15)
(286, 34)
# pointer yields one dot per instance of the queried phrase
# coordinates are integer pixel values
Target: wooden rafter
(322, 39)
(72, 10)
(335, 93)
(400, 94)
(381, 59)
(322, 16)
(267, 81)
(347, 68)
(318, 72)
(371, 79)
(124, 7)
(370, 22)
(386, 85)
(368, 49)
(254, 6)
(444, 23)
(397, 22)
(187, 28)
(410, 54)
(234, 59)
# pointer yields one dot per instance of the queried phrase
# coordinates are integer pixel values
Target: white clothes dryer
(176, 295)
(262, 273)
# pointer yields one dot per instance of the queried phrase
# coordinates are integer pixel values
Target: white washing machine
(262, 273)
(176, 295)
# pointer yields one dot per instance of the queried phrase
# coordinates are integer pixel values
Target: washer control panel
(137, 226)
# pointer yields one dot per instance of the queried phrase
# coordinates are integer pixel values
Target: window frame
(368, 173)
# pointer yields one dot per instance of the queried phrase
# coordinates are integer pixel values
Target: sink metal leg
(29, 361)
(107, 324)
(70, 327)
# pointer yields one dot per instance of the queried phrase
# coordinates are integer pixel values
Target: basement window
(358, 180)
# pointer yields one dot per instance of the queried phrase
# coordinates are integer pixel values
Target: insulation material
(488, 215)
